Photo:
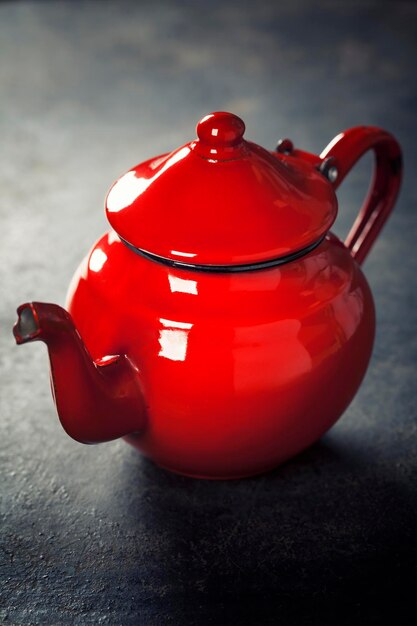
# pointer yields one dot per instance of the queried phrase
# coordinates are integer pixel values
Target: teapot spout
(96, 400)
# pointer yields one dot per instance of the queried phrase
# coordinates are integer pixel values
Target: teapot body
(240, 371)
(220, 327)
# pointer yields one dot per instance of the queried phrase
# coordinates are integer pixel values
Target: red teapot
(219, 326)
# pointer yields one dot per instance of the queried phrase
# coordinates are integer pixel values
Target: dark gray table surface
(98, 535)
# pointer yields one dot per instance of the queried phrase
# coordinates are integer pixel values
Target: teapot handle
(340, 156)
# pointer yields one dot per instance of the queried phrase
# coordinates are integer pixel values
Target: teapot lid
(222, 201)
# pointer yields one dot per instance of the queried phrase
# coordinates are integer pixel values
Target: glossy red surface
(239, 371)
(346, 149)
(221, 200)
(97, 400)
(229, 374)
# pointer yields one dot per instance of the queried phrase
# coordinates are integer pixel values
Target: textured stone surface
(98, 535)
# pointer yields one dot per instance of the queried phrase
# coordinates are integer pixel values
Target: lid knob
(220, 137)
(221, 129)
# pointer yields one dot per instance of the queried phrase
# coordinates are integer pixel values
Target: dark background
(98, 535)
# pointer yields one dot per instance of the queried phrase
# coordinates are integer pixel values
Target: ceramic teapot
(219, 326)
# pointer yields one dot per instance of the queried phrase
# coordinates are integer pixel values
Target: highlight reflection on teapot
(219, 326)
